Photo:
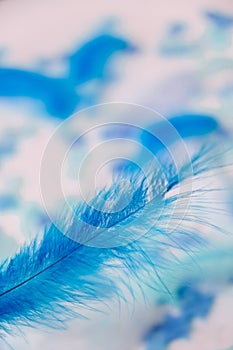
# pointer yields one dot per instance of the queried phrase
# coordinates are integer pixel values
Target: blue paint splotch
(60, 95)
(175, 42)
(186, 125)
(193, 304)
(217, 35)
(7, 201)
(57, 95)
(7, 147)
(90, 62)
(222, 20)
(177, 128)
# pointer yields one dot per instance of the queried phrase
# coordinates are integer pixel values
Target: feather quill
(45, 280)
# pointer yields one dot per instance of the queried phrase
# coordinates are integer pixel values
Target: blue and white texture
(157, 174)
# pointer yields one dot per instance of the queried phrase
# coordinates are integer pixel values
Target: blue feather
(55, 277)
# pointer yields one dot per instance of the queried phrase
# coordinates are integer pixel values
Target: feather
(53, 278)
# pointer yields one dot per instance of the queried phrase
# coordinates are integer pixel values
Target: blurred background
(58, 57)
